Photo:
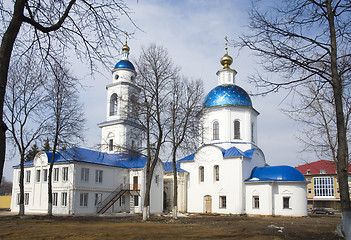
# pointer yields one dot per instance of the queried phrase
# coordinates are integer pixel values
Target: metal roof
(276, 173)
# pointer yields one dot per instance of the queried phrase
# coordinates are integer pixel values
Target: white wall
(226, 117)
(230, 182)
(297, 193)
(271, 196)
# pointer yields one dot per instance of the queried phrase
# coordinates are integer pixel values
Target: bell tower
(120, 131)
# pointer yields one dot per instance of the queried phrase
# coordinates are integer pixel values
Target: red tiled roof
(315, 167)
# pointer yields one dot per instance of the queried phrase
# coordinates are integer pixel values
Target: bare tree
(23, 111)
(155, 74)
(87, 28)
(185, 104)
(66, 119)
(308, 41)
(317, 113)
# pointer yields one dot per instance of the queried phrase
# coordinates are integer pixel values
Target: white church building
(228, 173)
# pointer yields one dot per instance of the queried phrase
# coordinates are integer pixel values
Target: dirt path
(192, 227)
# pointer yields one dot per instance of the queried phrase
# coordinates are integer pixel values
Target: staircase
(111, 199)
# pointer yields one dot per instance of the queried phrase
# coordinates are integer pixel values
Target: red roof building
(323, 185)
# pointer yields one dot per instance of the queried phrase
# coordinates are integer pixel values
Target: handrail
(113, 194)
(109, 197)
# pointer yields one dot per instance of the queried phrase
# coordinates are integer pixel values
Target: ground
(186, 227)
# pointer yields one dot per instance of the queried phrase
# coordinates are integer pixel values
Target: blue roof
(168, 166)
(188, 158)
(227, 95)
(276, 173)
(124, 64)
(121, 160)
(231, 152)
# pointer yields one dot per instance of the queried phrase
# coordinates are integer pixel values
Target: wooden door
(135, 183)
(208, 204)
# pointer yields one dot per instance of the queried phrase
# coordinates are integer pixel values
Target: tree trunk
(146, 208)
(6, 48)
(342, 150)
(21, 185)
(175, 187)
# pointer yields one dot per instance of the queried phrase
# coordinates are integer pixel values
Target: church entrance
(208, 204)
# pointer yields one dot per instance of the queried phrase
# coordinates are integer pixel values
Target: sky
(193, 32)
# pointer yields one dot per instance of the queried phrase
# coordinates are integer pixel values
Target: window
(308, 171)
(26, 199)
(252, 132)
(222, 202)
(323, 186)
(98, 176)
(18, 198)
(236, 129)
(113, 104)
(286, 201)
(45, 175)
(28, 176)
(123, 199)
(202, 174)
(322, 171)
(54, 199)
(309, 190)
(136, 200)
(256, 202)
(110, 145)
(64, 199)
(38, 175)
(84, 175)
(65, 174)
(215, 130)
(216, 172)
(84, 199)
(56, 174)
(157, 179)
(98, 199)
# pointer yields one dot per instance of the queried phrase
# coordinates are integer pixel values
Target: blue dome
(276, 173)
(224, 95)
(125, 64)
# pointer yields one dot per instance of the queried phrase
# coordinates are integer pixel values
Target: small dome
(125, 48)
(227, 95)
(124, 64)
(276, 173)
(226, 61)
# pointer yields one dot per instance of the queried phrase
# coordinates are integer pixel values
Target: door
(208, 204)
(135, 183)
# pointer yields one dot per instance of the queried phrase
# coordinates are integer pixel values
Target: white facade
(83, 180)
(228, 171)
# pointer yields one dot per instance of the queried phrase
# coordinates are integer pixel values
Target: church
(227, 174)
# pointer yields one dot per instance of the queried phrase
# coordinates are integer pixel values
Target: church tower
(229, 118)
(120, 131)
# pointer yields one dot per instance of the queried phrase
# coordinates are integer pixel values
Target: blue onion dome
(276, 173)
(124, 64)
(227, 95)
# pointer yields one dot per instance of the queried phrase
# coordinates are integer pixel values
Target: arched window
(252, 132)
(236, 129)
(216, 172)
(113, 104)
(110, 145)
(202, 173)
(215, 130)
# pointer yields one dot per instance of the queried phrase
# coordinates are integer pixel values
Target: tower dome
(227, 95)
(125, 63)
